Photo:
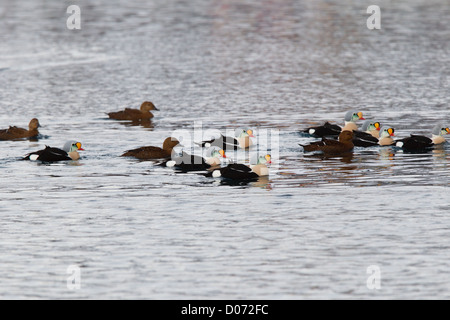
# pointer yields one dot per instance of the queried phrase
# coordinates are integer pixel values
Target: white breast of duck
(386, 135)
(243, 137)
(259, 166)
(72, 147)
(438, 134)
(213, 156)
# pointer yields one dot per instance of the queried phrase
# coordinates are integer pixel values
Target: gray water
(311, 230)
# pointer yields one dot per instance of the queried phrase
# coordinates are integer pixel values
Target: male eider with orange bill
(14, 133)
(369, 134)
(187, 162)
(236, 171)
(135, 114)
(333, 130)
(49, 154)
(242, 139)
(418, 143)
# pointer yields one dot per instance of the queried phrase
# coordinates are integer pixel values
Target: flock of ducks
(335, 140)
(166, 155)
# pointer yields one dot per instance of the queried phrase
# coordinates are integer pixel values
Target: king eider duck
(369, 134)
(13, 133)
(153, 153)
(417, 143)
(330, 146)
(187, 162)
(236, 171)
(241, 140)
(134, 114)
(386, 135)
(333, 130)
(49, 154)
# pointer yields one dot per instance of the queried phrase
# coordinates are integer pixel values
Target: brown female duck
(328, 146)
(134, 114)
(150, 153)
(19, 133)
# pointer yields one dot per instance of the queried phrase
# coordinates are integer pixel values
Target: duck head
(369, 126)
(215, 152)
(387, 132)
(148, 106)
(353, 116)
(257, 159)
(71, 146)
(242, 133)
(170, 143)
(34, 124)
(76, 146)
(267, 159)
(440, 130)
(346, 136)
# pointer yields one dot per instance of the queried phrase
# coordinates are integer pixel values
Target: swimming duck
(13, 133)
(236, 171)
(329, 146)
(369, 134)
(187, 162)
(386, 135)
(49, 154)
(438, 134)
(150, 153)
(134, 114)
(332, 130)
(416, 143)
(241, 140)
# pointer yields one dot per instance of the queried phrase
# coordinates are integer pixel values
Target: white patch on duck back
(216, 174)
(399, 144)
(34, 157)
(171, 163)
(312, 131)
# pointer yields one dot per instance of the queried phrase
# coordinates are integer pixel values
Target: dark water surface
(310, 230)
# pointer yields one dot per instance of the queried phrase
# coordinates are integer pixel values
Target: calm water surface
(140, 231)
